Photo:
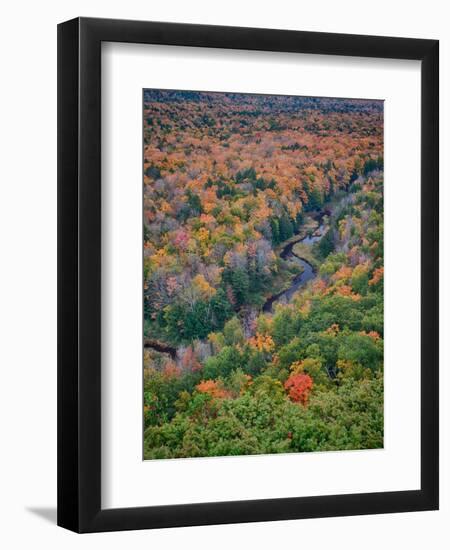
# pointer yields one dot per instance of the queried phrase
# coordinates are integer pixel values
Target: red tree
(299, 387)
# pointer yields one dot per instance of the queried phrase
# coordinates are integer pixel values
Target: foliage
(299, 387)
(231, 182)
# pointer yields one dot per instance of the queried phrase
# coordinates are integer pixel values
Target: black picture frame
(79, 274)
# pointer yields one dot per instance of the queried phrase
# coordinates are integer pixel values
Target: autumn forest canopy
(263, 274)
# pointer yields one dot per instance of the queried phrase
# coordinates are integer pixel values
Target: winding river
(287, 253)
(307, 273)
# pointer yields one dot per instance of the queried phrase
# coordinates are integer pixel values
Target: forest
(263, 274)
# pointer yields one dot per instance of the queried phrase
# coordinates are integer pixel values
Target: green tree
(315, 199)
(326, 244)
(285, 326)
(194, 202)
(227, 360)
(286, 229)
(275, 228)
(361, 349)
(221, 308)
(240, 284)
(233, 333)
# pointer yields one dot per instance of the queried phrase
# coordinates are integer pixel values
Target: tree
(212, 387)
(186, 323)
(299, 387)
(240, 284)
(286, 229)
(362, 349)
(238, 382)
(222, 364)
(360, 279)
(285, 326)
(315, 199)
(233, 333)
(289, 353)
(153, 172)
(194, 202)
(312, 367)
(266, 385)
(326, 244)
(275, 228)
(220, 308)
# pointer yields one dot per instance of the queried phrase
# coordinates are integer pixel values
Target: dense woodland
(231, 183)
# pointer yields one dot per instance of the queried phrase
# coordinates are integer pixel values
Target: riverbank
(304, 251)
(307, 269)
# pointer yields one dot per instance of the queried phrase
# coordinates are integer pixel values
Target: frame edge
(68, 391)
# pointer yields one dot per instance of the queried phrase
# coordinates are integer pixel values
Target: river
(308, 272)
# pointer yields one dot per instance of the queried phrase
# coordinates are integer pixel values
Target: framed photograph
(247, 276)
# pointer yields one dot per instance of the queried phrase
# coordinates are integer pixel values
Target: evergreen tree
(326, 244)
(315, 199)
(275, 228)
(240, 284)
(286, 229)
(194, 202)
(221, 309)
